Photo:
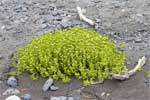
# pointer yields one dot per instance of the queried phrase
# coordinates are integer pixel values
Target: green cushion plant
(74, 52)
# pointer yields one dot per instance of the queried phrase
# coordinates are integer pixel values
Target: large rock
(13, 97)
(47, 84)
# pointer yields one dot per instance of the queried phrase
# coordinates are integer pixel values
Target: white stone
(11, 91)
(3, 27)
(47, 84)
(13, 97)
(103, 93)
(54, 88)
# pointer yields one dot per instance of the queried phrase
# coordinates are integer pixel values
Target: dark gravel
(125, 21)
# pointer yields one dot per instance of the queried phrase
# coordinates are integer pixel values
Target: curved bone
(131, 72)
(82, 17)
(127, 74)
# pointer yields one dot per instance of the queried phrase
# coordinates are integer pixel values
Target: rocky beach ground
(125, 21)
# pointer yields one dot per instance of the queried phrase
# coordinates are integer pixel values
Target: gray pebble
(138, 40)
(53, 1)
(26, 97)
(12, 81)
(98, 20)
(8, 28)
(28, 2)
(96, 26)
(64, 98)
(20, 8)
(70, 23)
(24, 19)
(12, 54)
(66, 24)
(3, 27)
(58, 18)
(52, 7)
(6, 69)
(47, 84)
(44, 26)
(75, 22)
(1, 57)
(2, 39)
(54, 88)
(56, 13)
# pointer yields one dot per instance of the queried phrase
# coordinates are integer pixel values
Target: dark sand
(121, 20)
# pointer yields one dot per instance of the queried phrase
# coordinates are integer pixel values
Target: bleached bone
(141, 63)
(131, 72)
(84, 18)
(127, 74)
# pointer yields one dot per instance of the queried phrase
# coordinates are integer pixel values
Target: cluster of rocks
(13, 91)
(48, 85)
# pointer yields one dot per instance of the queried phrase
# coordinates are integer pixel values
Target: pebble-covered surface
(125, 21)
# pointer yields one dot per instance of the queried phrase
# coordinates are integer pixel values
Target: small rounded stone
(27, 97)
(54, 88)
(12, 81)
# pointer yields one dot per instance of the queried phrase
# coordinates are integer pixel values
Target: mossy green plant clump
(74, 52)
